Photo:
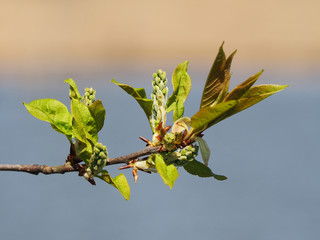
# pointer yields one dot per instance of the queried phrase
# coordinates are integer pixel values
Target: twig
(36, 169)
(127, 158)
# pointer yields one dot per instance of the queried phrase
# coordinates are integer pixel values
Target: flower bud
(89, 96)
(97, 160)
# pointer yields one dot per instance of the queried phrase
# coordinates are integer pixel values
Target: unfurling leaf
(217, 83)
(203, 118)
(84, 126)
(139, 94)
(197, 168)
(168, 173)
(253, 96)
(204, 149)
(54, 112)
(98, 113)
(74, 92)
(181, 83)
(242, 88)
(181, 124)
(119, 182)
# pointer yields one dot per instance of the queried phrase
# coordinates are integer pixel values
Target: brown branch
(36, 169)
(131, 156)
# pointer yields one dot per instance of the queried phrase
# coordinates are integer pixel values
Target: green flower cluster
(181, 156)
(188, 153)
(97, 161)
(89, 96)
(169, 141)
(159, 96)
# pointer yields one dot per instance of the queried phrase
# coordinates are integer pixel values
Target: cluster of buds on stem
(159, 96)
(89, 96)
(169, 141)
(97, 161)
(181, 156)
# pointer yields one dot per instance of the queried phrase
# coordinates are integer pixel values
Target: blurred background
(270, 153)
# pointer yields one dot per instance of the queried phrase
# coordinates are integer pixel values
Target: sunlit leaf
(199, 169)
(74, 92)
(168, 173)
(141, 92)
(139, 95)
(204, 149)
(217, 83)
(119, 182)
(242, 88)
(181, 83)
(98, 113)
(253, 96)
(202, 119)
(264, 89)
(84, 126)
(54, 112)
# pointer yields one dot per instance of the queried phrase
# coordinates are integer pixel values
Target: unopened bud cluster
(169, 141)
(159, 96)
(89, 96)
(181, 156)
(188, 153)
(97, 161)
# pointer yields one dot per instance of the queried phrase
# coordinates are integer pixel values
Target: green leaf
(74, 92)
(139, 94)
(54, 112)
(84, 126)
(217, 83)
(253, 96)
(181, 83)
(168, 173)
(203, 118)
(204, 149)
(268, 89)
(242, 88)
(98, 113)
(197, 168)
(119, 182)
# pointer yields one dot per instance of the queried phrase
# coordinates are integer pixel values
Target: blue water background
(269, 153)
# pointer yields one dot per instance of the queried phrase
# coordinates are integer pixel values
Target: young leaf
(119, 182)
(139, 94)
(84, 126)
(197, 168)
(202, 119)
(253, 96)
(54, 112)
(181, 125)
(168, 173)
(98, 113)
(74, 92)
(204, 149)
(242, 88)
(181, 83)
(217, 83)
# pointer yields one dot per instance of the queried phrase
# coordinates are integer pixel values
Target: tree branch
(127, 158)
(36, 169)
